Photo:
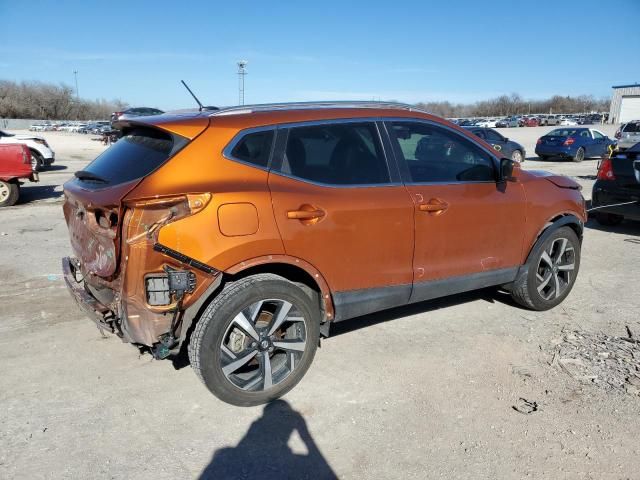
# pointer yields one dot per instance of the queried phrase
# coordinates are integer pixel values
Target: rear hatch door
(93, 206)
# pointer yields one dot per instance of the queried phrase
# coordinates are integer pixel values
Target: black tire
(9, 193)
(544, 158)
(579, 156)
(218, 332)
(37, 162)
(608, 219)
(527, 291)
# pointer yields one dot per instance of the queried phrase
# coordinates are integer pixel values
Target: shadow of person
(264, 452)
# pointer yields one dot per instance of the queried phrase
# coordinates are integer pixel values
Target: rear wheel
(579, 155)
(9, 193)
(608, 219)
(256, 339)
(552, 269)
(543, 157)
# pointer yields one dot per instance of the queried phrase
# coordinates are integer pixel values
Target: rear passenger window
(254, 148)
(433, 154)
(494, 136)
(337, 154)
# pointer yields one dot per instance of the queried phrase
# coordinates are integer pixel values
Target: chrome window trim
(389, 156)
(226, 151)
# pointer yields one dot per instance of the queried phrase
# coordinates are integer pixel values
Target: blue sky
(407, 50)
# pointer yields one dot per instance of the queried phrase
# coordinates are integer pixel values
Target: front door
(469, 228)
(341, 208)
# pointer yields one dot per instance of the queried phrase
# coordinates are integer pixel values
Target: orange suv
(243, 234)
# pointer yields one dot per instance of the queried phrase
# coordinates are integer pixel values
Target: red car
(530, 122)
(15, 165)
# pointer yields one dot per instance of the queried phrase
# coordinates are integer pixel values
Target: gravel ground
(469, 386)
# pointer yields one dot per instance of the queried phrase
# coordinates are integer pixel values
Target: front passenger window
(436, 155)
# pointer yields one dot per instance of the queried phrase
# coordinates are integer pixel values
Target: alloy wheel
(516, 156)
(4, 191)
(263, 345)
(555, 269)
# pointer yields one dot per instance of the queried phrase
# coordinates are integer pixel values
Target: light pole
(75, 74)
(242, 72)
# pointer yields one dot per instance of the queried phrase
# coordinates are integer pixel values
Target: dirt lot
(433, 390)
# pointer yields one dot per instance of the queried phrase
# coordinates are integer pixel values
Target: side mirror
(506, 170)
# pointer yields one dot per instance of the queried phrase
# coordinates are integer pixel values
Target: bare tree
(515, 104)
(51, 102)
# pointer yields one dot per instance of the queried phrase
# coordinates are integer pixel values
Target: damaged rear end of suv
(127, 282)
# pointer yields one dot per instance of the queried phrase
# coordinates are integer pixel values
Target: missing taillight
(157, 290)
(165, 289)
(150, 215)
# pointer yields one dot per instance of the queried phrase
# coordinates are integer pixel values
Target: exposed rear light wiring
(150, 215)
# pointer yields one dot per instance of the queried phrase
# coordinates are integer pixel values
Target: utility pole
(242, 72)
(75, 74)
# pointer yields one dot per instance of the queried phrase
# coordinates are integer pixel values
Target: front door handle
(305, 214)
(435, 206)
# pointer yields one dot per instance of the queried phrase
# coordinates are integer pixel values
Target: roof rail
(269, 107)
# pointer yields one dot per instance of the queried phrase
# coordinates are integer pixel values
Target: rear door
(600, 143)
(340, 205)
(469, 228)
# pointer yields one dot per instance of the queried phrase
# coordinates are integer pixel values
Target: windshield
(562, 132)
(632, 128)
(135, 155)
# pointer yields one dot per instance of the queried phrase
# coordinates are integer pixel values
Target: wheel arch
(567, 219)
(293, 269)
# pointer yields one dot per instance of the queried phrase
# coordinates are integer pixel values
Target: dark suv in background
(618, 181)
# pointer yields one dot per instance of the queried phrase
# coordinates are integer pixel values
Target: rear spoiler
(186, 125)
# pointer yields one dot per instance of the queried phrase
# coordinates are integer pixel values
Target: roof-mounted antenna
(193, 95)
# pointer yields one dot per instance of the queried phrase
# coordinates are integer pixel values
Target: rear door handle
(305, 214)
(434, 205)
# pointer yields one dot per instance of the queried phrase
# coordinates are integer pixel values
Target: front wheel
(579, 155)
(552, 270)
(256, 339)
(37, 162)
(9, 193)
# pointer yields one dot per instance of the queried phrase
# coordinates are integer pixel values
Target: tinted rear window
(563, 132)
(631, 128)
(135, 155)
